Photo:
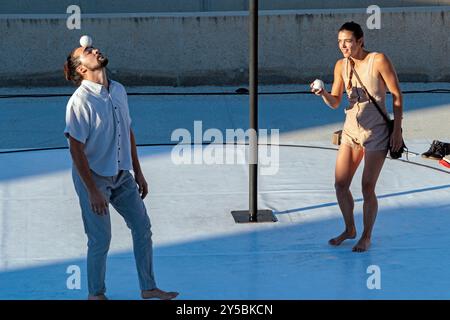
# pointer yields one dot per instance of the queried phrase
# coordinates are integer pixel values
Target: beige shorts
(365, 127)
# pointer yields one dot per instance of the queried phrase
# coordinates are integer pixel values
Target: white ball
(318, 84)
(85, 41)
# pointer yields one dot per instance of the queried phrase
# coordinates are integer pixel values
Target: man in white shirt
(103, 150)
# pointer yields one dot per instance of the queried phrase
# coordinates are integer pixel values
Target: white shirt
(101, 121)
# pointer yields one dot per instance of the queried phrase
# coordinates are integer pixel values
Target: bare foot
(98, 297)
(343, 236)
(159, 294)
(362, 245)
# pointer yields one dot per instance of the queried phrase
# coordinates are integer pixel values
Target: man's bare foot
(97, 297)
(159, 294)
(343, 236)
(362, 245)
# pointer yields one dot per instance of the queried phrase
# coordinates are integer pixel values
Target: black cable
(240, 91)
(213, 143)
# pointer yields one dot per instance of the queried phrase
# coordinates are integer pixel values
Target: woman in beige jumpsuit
(365, 133)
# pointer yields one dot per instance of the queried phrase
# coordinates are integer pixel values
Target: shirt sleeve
(77, 121)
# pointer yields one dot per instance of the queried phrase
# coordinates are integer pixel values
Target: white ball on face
(85, 41)
(318, 84)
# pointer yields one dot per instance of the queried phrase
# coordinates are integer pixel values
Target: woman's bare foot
(159, 294)
(343, 236)
(362, 245)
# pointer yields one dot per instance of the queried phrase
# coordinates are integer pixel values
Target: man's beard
(103, 62)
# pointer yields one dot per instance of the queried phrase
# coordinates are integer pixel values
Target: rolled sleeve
(77, 122)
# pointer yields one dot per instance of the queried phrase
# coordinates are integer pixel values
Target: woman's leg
(373, 164)
(348, 160)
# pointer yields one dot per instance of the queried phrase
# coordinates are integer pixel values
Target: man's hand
(142, 184)
(98, 202)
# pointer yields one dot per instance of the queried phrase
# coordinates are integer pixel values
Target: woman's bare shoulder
(340, 63)
(381, 58)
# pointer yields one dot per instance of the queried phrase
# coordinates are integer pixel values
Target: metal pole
(253, 92)
(253, 214)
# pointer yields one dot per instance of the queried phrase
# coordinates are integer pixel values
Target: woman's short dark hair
(353, 27)
(70, 69)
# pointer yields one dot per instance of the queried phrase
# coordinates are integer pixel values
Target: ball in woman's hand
(318, 84)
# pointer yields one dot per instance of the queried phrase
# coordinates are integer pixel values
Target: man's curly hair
(70, 69)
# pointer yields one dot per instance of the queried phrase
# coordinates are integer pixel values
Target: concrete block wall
(184, 49)
(142, 6)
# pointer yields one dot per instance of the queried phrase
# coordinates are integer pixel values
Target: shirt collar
(96, 87)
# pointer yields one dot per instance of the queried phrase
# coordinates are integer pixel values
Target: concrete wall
(212, 48)
(141, 6)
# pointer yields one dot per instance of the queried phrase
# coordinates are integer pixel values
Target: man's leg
(373, 164)
(126, 200)
(347, 161)
(98, 231)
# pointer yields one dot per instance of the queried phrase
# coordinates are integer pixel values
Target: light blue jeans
(122, 192)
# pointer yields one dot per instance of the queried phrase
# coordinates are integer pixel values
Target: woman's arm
(387, 71)
(334, 98)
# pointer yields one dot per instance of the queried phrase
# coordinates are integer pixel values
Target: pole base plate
(243, 216)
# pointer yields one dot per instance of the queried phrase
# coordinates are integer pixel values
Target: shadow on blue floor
(286, 261)
(40, 123)
(35, 163)
(35, 123)
(331, 204)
